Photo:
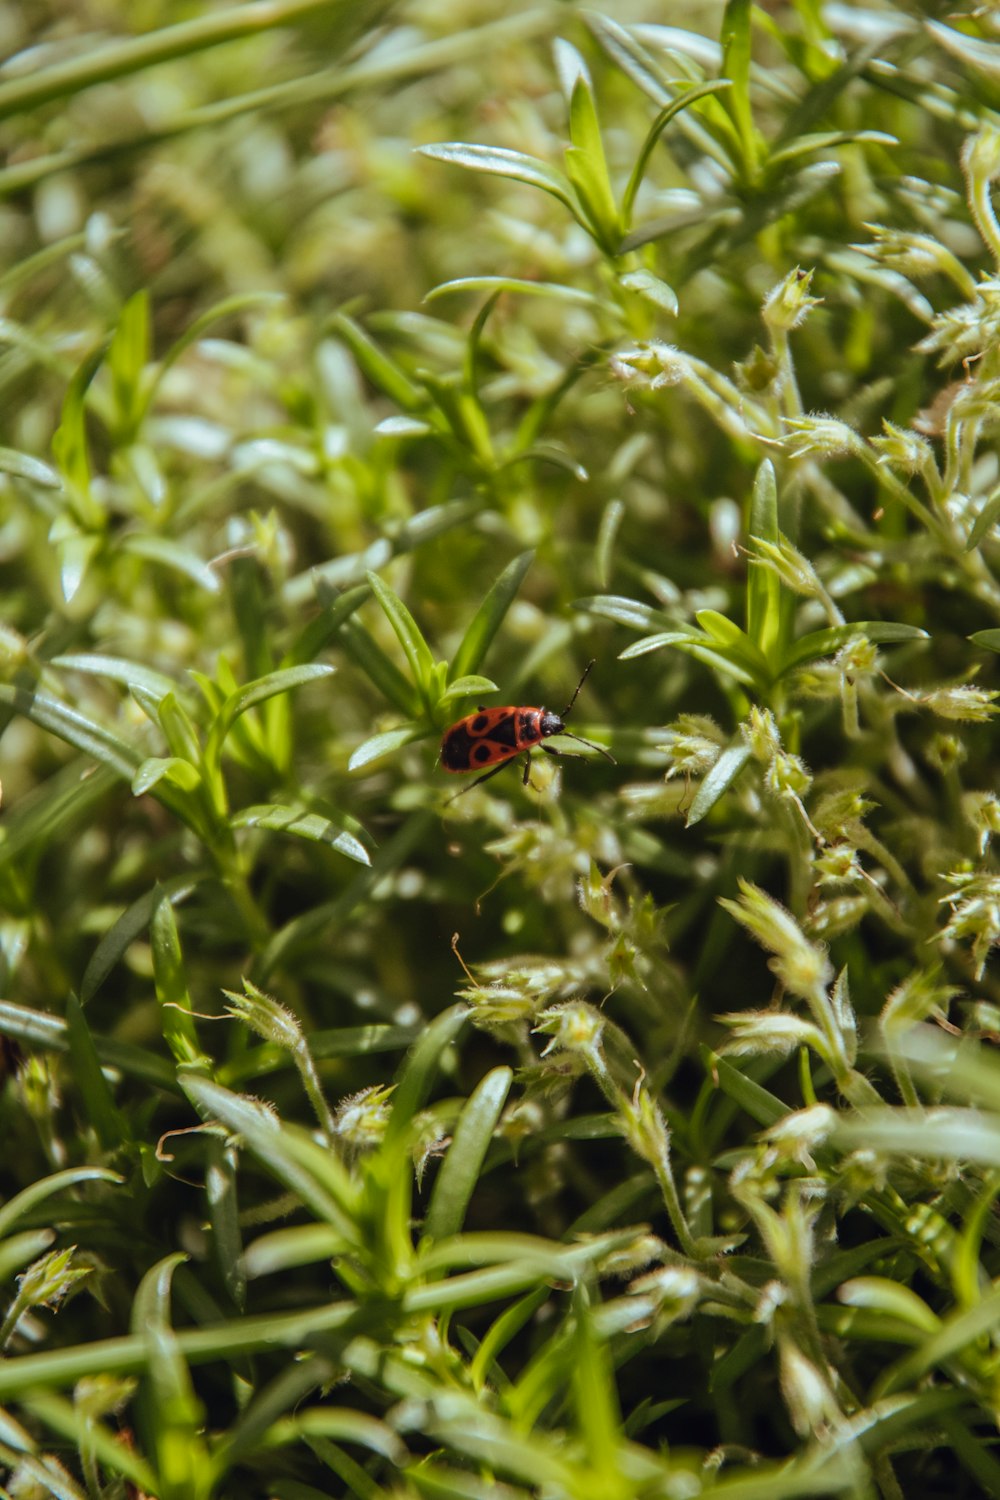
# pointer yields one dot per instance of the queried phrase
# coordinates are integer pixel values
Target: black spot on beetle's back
(479, 724)
(456, 749)
(505, 732)
(482, 753)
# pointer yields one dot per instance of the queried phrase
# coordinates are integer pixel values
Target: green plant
(625, 1137)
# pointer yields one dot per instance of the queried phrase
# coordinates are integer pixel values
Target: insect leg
(479, 781)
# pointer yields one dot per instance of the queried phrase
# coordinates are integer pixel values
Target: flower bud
(790, 566)
(574, 1027)
(789, 303)
(693, 743)
(904, 449)
(858, 657)
(982, 810)
(800, 966)
(760, 732)
(653, 364)
(788, 776)
(361, 1119)
(838, 864)
(968, 705)
(821, 436)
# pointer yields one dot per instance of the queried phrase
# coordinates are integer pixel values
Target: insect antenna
(576, 691)
(590, 745)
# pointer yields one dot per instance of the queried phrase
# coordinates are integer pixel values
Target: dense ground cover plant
(632, 1132)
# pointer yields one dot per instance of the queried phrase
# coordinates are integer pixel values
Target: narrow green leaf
(503, 163)
(25, 466)
(586, 162)
(825, 642)
(691, 94)
(725, 663)
(350, 1425)
(595, 1396)
(982, 57)
(628, 53)
(958, 1332)
(736, 60)
(310, 1171)
(420, 1067)
(177, 726)
(359, 1041)
(283, 680)
(646, 285)
(965, 1266)
(75, 551)
(766, 614)
(381, 669)
(69, 442)
(607, 536)
(985, 522)
(299, 1245)
(385, 743)
(68, 725)
(655, 642)
(130, 925)
(87, 1435)
(408, 633)
(19, 1250)
(403, 427)
(517, 284)
(30, 1197)
(38, 1030)
(226, 1341)
(179, 773)
(734, 641)
(718, 781)
(489, 617)
(460, 1169)
(344, 572)
(223, 1217)
(890, 1297)
(624, 611)
(117, 669)
(503, 1330)
(170, 554)
(550, 453)
(303, 825)
(88, 1078)
(824, 140)
(67, 800)
(66, 76)
(465, 687)
(463, 414)
(384, 373)
(128, 356)
(759, 1103)
(172, 992)
(336, 608)
(570, 67)
(990, 639)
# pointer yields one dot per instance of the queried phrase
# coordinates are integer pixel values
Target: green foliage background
(630, 1132)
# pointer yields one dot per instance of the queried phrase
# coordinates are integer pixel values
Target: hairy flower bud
(789, 303)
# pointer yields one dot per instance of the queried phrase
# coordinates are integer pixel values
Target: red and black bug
(493, 736)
